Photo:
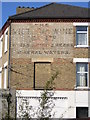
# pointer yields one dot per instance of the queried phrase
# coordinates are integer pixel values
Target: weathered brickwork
(22, 73)
(67, 73)
(42, 72)
(81, 52)
(43, 40)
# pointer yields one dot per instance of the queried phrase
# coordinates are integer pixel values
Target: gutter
(7, 23)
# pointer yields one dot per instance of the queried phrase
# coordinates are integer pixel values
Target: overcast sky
(9, 8)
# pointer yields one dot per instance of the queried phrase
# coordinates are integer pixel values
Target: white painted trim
(81, 60)
(78, 46)
(6, 31)
(1, 37)
(87, 37)
(81, 24)
(6, 42)
(1, 45)
(78, 87)
(82, 31)
(5, 64)
(88, 76)
(0, 69)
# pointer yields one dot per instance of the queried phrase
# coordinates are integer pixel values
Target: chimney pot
(23, 9)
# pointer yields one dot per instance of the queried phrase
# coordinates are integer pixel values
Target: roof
(54, 10)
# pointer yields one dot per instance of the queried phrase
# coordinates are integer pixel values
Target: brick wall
(44, 40)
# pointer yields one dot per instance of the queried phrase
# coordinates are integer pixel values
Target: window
(82, 36)
(42, 73)
(81, 112)
(0, 78)
(82, 74)
(6, 42)
(1, 39)
(5, 75)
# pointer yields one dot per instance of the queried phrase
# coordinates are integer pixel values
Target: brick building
(37, 43)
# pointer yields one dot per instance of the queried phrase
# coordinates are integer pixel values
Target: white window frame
(81, 24)
(82, 60)
(6, 41)
(77, 32)
(5, 75)
(0, 77)
(78, 24)
(1, 45)
(79, 72)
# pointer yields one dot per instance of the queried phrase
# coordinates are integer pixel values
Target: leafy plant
(46, 101)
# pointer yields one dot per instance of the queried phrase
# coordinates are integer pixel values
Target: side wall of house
(5, 57)
(42, 43)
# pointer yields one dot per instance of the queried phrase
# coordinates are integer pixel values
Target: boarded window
(42, 73)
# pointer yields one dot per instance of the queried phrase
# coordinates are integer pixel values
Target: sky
(9, 8)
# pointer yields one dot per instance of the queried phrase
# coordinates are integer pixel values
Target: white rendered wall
(65, 101)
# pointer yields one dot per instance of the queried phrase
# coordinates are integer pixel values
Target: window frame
(1, 77)
(87, 86)
(76, 24)
(1, 45)
(6, 41)
(77, 32)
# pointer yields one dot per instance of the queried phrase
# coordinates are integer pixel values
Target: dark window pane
(82, 28)
(81, 112)
(82, 67)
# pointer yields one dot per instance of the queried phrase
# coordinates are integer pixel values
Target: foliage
(46, 104)
(46, 101)
(7, 117)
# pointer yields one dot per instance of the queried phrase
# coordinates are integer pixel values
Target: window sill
(5, 52)
(81, 88)
(81, 46)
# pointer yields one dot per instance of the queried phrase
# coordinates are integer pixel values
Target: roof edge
(31, 10)
(6, 24)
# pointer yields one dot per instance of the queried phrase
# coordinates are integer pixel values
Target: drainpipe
(9, 96)
(9, 66)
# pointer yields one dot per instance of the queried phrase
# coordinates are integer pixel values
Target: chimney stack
(23, 9)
